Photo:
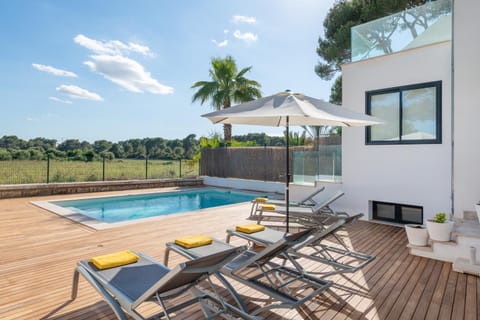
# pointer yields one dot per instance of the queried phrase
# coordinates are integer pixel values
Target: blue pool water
(122, 208)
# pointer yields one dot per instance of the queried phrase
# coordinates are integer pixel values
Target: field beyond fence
(47, 171)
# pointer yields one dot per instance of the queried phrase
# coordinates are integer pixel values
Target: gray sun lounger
(305, 202)
(300, 213)
(283, 282)
(341, 258)
(128, 287)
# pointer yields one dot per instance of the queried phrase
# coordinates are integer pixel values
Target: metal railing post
(180, 170)
(146, 167)
(333, 165)
(103, 169)
(48, 167)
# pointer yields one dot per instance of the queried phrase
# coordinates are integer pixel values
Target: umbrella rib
(221, 120)
(279, 120)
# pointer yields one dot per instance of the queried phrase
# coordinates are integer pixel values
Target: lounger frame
(342, 258)
(170, 284)
(276, 274)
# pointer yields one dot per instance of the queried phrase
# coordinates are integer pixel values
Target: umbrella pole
(287, 179)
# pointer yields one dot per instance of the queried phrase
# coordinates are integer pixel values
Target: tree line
(14, 148)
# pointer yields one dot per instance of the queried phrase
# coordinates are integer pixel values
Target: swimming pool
(132, 207)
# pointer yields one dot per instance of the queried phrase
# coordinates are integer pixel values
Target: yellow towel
(250, 228)
(197, 240)
(269, 207)
(114, 259)
(263, 200)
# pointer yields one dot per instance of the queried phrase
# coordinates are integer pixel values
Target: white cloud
(224, 43)
(248, 37)
(127, 73)
(226, 31)
(78, 93)
(112, 47)
(243, 19)
(54, 71)
(60, 100)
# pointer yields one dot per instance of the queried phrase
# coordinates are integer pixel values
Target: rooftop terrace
(40, 249)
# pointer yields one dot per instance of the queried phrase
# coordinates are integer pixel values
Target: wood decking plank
(471, 298)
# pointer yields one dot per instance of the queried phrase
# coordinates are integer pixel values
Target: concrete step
(463, 265)
(465, 235)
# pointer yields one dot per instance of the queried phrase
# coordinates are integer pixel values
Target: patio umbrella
(286, 109)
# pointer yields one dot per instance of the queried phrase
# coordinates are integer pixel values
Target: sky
(118, 70)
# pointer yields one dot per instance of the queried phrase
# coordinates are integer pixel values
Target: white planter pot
(477, 207)
(439, 231)
(417, 235)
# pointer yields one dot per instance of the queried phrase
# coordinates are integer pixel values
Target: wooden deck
(38, 252)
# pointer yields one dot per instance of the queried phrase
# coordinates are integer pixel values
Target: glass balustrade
(415, 27)
(322, 165)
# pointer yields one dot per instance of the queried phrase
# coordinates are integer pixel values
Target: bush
(21, 154)
(440, 217)
(5, 155)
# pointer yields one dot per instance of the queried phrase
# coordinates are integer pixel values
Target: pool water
(131, 207)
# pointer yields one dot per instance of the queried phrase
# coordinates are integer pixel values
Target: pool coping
(100, 225)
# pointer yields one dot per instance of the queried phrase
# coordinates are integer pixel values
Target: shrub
(5, 155)
(440, 217)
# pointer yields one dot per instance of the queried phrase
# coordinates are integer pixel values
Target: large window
(411, 114)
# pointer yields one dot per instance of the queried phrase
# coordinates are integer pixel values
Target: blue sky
(117, 70)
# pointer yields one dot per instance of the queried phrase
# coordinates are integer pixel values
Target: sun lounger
(126, 288)
(298, 214)
(284, 282)
(340, 258)
(305, 202)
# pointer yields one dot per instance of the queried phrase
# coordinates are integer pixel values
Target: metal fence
(51, 170)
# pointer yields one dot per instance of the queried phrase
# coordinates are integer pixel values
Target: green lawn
(30, 171)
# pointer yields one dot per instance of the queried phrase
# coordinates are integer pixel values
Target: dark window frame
(398, 212)
(400, 90)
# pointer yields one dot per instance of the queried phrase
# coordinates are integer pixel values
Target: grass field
(30, 171)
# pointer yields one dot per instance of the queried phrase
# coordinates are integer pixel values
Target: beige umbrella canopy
(286, 109)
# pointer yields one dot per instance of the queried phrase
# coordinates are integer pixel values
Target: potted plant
(439, 228)
(417, 234)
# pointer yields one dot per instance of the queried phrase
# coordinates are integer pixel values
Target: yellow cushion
(269, 207)
(194, 241)
(250, 228)
(114, 259)
(263, 200)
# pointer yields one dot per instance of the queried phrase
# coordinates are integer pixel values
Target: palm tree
(226, 86)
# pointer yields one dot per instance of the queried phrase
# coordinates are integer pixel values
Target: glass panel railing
(322, 165)
(415, 27)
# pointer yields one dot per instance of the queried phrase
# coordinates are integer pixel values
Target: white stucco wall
(407, 174)
(466, 45)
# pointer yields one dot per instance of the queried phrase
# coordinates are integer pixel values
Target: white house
(426, 157)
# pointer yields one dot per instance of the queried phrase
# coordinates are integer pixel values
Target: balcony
(415, 27)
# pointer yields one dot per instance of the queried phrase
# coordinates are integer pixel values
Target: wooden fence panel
(252, 163)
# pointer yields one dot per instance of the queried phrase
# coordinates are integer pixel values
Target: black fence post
(146, 167)
(103, 169)
(48, 167)
(180, 170)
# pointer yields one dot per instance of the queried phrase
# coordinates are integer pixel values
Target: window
(411, 114)
(395, 212)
